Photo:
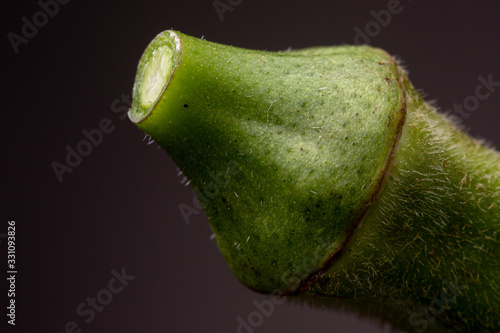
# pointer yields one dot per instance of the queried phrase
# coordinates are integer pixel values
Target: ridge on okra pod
(327, 178)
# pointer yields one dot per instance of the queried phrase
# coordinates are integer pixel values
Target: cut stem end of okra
(155, 69)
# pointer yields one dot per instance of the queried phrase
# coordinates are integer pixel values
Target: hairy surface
(428, 251)
(323, 172)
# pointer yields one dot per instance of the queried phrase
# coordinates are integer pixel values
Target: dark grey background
(119, 207)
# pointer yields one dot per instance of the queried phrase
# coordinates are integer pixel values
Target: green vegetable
(326, 177)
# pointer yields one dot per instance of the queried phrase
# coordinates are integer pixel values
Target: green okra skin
(257, 135)
(427, 253)
(325, 175)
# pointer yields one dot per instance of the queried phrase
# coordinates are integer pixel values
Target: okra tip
(155, 68)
